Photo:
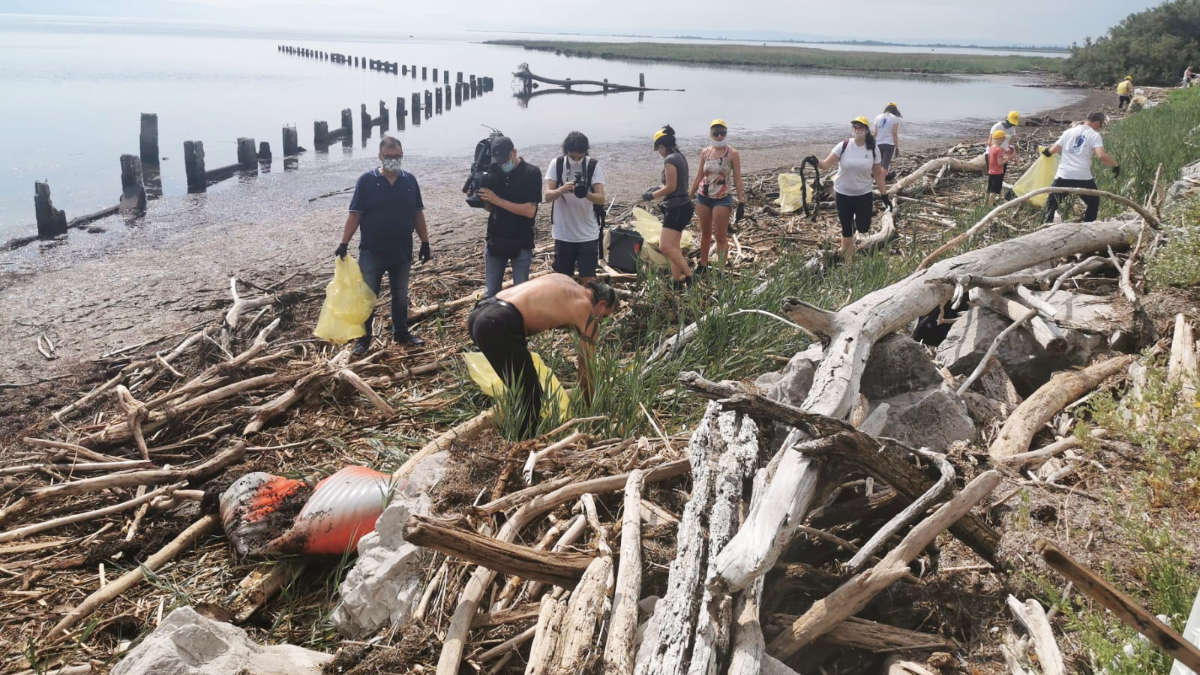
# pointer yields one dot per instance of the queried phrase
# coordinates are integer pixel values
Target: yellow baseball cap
(1129, 77)
(861, 120)
(1014, 118)
(659, 134)
(998, 134)
(718, 123)
(892, 104)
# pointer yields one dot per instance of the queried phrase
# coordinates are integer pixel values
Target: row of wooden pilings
(140, 177)
(393, 67)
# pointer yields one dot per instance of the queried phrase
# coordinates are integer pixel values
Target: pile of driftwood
(782, 520)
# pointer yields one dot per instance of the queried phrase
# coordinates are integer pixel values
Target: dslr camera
(483, 172)
(581, 186)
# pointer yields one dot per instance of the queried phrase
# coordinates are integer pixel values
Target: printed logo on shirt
(1077, 144)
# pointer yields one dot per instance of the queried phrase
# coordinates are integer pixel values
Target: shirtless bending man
(500, 324)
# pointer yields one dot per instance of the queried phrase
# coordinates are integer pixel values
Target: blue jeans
(374, 265)
(493, 268)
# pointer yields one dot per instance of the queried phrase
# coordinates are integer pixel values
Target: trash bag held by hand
(791, 192)
(348, 303)
(1040, 175)
(651, 230)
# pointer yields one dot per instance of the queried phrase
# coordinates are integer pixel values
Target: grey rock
(791, 384)
(188, 643)
(985, 411)
(1027, 364)
(386, 581)
(932, 418)
(897, 364)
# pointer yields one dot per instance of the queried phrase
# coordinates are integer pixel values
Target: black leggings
(854, 213)
(1092, 203)
(499, 330)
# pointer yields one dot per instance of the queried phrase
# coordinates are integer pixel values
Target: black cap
(502, 147)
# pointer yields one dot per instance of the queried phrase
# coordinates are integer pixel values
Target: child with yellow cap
(998, 159)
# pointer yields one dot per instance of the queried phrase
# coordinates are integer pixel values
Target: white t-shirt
(1010, 133)
(573, 218)
(1078, 146)
(886, 125)
(854, 176)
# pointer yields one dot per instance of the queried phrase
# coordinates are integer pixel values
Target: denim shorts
(726, 201)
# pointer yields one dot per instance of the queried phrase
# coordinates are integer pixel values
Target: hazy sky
(963, 21)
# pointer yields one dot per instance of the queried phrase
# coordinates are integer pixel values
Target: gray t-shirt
(573, 219)
(680, 196)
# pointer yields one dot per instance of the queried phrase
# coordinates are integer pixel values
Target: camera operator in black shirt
(511, 195)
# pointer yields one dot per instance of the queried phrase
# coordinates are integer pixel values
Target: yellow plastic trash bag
(651, 230)
(348, 303)
(1040, 175)
(791, 192)
(489, 383)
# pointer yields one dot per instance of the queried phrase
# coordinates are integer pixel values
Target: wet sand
(90, 297)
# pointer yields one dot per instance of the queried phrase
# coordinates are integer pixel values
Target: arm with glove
(348, 231)
(423, 233)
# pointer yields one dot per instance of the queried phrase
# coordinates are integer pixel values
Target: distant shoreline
(796, 58)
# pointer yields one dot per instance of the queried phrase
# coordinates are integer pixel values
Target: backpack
(588, 172)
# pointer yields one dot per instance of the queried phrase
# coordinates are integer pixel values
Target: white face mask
(718, 143)
(391, 164)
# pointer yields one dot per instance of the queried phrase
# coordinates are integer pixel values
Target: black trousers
(1092, 203)
(854, 213)
(499, 330)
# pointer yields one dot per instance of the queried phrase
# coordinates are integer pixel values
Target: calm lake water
(74, 91)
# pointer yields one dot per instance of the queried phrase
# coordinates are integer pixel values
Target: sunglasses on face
(717, 133)
(856, 125)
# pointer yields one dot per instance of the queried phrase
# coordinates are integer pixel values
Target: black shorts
(1123, 101)
(568, 254)
(854, 213)
(678, 217)
(498, 328)
(995, 183)
(886, 152)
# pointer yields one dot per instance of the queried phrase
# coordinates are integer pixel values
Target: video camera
(482, 175)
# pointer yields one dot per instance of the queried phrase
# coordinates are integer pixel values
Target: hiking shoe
(701, 270)
(361, 346)
(409, 340)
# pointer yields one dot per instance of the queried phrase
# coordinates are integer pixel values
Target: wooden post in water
(247, 156)
(133, 191)
(51, 222)
(460, 77)
(264, 152)
(445, 76)
(458, 94)
(413, 69)
(428, 104)
(291, 145)
(404, 69)
(384, 118)
(193, 165)
(424, 72)
(321, 136)
(642, 80)
(416, 108)
(435, 74)
(365, 118)
(437, 100)
(347, 122)
(148, 139)
(364, 62)
(447, 96)
(474, 84)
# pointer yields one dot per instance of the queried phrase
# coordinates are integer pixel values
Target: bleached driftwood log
(1048, 335)
(912, 180)
(852, 596)
(545, 638)
(722, 452)
(1040, 407)
(749, 647)
(618, 651)
(1033, 618)
(1181, 367)
(585, 614)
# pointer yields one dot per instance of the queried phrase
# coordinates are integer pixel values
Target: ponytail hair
(668, 139)
(870, 140)
(891, 108)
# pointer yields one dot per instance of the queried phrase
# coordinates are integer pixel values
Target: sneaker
(701, 270)
(409, 340)
(361, 346)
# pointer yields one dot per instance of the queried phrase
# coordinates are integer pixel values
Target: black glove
(741, 211)
(887, 201)
(1117, 171)
(1046, 152)
(425, 253)
(648, 195)
(341, 251)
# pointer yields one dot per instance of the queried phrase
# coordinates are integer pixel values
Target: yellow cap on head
(1014, 118)
(892, 104)
(999, 134)
(1129, 77)
(659, 134)
(718, 123)
(861, 120)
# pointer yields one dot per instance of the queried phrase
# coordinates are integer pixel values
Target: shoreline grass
(795, 58)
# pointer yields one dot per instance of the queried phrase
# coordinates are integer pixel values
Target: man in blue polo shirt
(387, 205)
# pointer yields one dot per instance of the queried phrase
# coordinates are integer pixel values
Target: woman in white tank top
(720, 167)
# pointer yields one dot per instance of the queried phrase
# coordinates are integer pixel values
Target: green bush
(1154, 46)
